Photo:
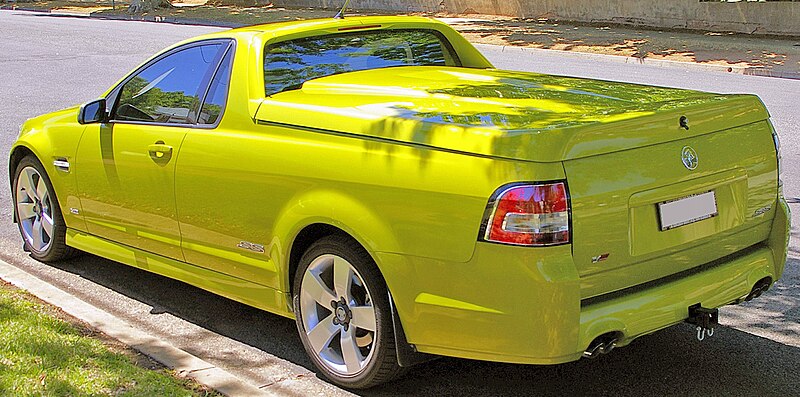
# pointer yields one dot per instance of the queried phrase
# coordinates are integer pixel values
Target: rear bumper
(517, 305)
(639, 313)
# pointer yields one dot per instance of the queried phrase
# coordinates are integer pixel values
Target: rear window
(288, 64)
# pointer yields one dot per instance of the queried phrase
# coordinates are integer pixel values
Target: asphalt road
(48, 63)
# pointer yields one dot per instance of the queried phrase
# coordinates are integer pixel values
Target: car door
(126, 167)
(225, 205)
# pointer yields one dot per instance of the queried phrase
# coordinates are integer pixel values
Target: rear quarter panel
(265, 184)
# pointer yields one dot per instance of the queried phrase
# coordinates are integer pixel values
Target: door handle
(160, 151)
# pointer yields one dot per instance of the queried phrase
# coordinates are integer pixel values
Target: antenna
(340, 14)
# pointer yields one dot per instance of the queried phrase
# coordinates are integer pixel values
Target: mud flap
(407, 355)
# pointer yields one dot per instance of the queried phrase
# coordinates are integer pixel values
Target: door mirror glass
(93, 112)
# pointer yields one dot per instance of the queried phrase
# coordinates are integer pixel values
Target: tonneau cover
(514, 115)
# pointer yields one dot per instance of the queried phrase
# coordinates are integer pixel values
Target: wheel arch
(407, 355)
(303, 240)
(18, 152)
(319, 212)
(315, 230)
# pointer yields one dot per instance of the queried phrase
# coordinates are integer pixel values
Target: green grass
(42, 355)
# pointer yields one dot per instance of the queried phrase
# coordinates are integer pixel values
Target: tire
(346, 331)
(38, 214)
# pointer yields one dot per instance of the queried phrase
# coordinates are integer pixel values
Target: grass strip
(44, 352)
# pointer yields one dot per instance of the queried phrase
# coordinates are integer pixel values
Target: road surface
(49, 63)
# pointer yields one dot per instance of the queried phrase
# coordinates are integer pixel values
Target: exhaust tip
(759, 288)
(603, 344)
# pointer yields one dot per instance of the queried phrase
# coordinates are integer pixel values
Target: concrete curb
(182, 362)
(746, 70)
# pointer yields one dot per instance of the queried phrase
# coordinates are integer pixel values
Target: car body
(484, 214)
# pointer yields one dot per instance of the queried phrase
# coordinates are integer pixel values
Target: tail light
(529, 214)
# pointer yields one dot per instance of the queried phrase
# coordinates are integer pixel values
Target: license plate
(686, 210)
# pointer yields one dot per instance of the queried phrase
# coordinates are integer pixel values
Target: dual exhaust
(705, 320)
(759, 288)
(601, 345)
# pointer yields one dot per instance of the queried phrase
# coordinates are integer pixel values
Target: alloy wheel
(34, 208)
(338, 315)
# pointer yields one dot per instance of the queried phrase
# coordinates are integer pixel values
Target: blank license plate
(687, 210)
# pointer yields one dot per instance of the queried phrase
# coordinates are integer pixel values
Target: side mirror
(93, 112)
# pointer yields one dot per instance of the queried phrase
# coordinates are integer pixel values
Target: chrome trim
(689, 158)
(762, 211)
(61, 164)
(251, 246)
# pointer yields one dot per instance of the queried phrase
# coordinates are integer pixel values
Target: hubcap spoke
(322, 334)
(36, 230)
(363, 317)
(342, 278)
(317, 290)
(25, 183)
(350, 353)
(41, 190)
(47, 225)
(26, 210)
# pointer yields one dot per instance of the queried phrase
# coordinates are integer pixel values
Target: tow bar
(705, 319)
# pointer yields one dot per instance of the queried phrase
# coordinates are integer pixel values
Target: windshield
(288, 64)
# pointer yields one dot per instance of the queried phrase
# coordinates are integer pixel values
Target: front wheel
(38, 215)
(342, 309)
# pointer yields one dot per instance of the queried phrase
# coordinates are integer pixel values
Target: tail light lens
(530, 215)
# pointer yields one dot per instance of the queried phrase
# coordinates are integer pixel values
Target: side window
(168, 91)
(217, 92)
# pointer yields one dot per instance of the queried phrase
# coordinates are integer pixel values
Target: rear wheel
(38, 215)
(342, 309)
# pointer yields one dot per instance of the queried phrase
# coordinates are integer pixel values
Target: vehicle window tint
(288, 64)
(217, 93)
(168, 91)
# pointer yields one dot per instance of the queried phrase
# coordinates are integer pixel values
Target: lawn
(44, 352)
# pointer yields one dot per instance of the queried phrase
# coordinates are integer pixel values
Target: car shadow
(215, 313)
(669, 362)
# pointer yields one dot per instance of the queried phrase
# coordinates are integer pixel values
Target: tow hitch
(705, 319)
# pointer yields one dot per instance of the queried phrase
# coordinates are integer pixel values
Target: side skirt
(242, 291)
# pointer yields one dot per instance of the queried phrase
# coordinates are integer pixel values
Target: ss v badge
(251, 246)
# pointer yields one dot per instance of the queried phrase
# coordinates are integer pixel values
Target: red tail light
(532, 215)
